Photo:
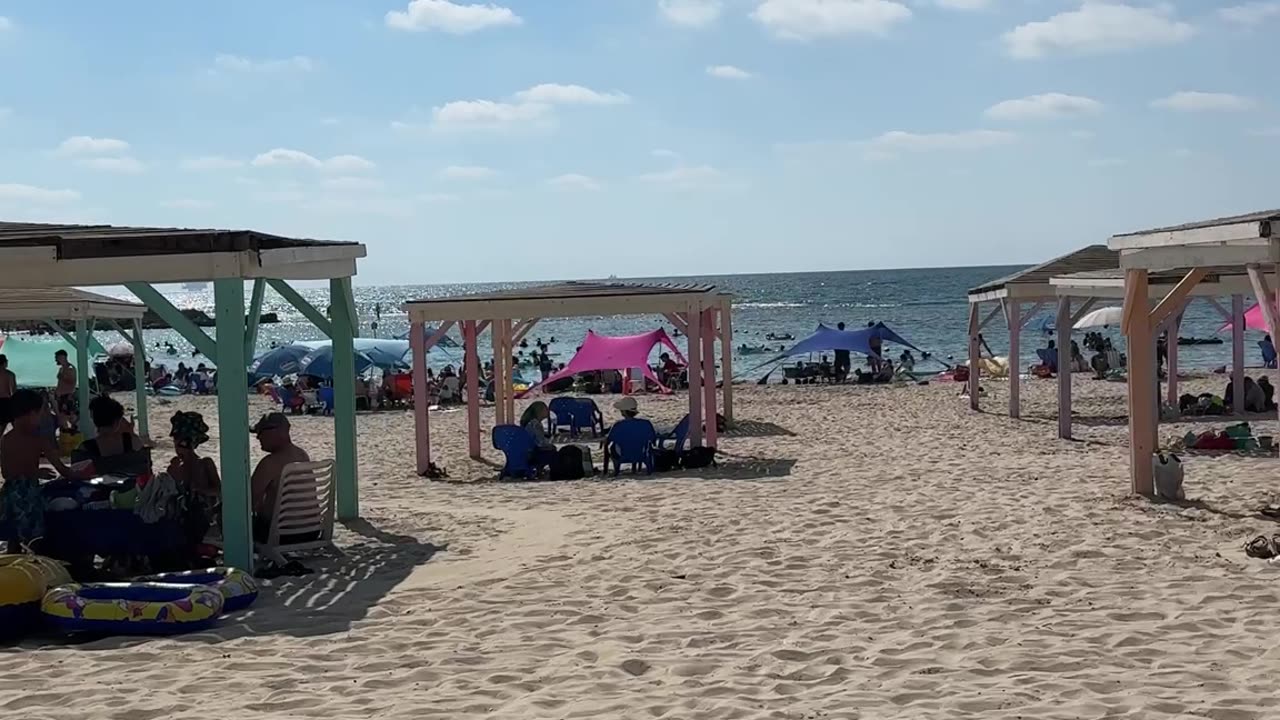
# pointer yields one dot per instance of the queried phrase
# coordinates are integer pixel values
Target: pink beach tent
(602, 352)
(1253, 320)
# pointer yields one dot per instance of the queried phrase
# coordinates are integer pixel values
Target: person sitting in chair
(273, 435)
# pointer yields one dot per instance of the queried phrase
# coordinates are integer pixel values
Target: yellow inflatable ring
(238, 587)
(24, 579)
(132, 608)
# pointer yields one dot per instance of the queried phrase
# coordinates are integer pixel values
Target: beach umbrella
(1253, 320)
(319, 363)
(385, 353)
(1101, 317)
(279, 362)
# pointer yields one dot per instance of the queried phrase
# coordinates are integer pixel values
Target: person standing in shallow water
(843, 362)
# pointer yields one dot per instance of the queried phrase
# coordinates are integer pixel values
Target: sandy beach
(860, 553)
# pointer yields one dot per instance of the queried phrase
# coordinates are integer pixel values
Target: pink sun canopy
(603, 352)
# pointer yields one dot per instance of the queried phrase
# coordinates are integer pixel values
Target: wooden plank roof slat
(1262, 216)
(1093, 257)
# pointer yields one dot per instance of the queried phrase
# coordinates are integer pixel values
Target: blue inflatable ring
(132, 608)
(238, 588)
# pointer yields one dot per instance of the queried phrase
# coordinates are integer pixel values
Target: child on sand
(21, 505)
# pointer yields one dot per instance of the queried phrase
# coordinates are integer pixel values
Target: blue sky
(543, 139)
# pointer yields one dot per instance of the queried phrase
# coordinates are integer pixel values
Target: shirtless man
(273, 435)
(21, 449)
(8, 386)
(65, 392)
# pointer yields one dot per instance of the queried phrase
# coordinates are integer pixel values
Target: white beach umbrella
(1101, 317)
(120, 350)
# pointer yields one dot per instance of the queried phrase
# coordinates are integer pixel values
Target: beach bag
(568, 465)
(665, 460)
(1167, 471)
(698, 457)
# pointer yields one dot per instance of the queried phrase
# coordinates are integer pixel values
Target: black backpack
(699, 457)
(569, 464)
(665, 460)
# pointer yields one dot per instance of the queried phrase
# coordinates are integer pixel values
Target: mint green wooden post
(140, 378)
(233, 423)
(82, 377)
(344, 394)
(300, 303)
(71, 339)
(251, 321)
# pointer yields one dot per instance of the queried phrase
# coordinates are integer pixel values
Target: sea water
(928, 307)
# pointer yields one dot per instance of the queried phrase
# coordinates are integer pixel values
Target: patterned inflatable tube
(132, 608)
(238, 587)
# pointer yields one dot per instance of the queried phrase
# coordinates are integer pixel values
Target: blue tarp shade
(828, 339)
(887, 334)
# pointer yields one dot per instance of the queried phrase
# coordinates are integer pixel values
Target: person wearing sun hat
(628, 407)
(272, 430)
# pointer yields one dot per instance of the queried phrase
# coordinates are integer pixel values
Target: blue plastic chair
(631, 441)
(679, 435)
(1268, 353)
(325, 396)
(586, 415)
(564, 414)
(288, 400)
(517, 445)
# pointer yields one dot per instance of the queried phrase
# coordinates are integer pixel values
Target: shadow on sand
(345, 586)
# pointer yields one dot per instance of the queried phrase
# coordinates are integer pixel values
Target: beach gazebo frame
(1008, 296)
(699, 311)
(1230, 248)
(42, 255)
(82, 310)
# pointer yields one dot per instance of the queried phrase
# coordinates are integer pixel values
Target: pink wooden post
(508, 389)
(708, 320)
(499, 404)
(421, 418)
(1063, 324)
(726, 357)
(1237, 352)
(1013, 317)
(974, 370)
(694, 356)
(1171, 395)
(470, 347)
(1142, 422)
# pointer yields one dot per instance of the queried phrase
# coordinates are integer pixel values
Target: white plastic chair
(304, 506)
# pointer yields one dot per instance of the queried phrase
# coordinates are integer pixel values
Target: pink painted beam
(470, 347)
(421, 417)
(678, 322)
(974, 370)
(694, 356)
(1064, 367)
(1141, 390)
(1237, 352)
(709, 373)
(434, 338)
(1013, 316)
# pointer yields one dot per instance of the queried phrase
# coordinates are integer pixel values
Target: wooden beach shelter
(699, 311)
(1228, 251)
(38, 255)
(1009, 295)
(80, 309)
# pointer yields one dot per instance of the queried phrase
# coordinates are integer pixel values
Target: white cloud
(5, 23)
(124, 164)
(17, 192)
(285, 157)
(691, 13)
(439, 198)
(449, 17)
(1046, 105)
(964, 4)
(239, 63)
(488, 115)
(665, 154)
(898, 141)
(1083, 134)
(554, 94)
(1191, 101)
(1266, 132)
(1183, 153)
(809, 19)
(349, 183)
(1107, 162)
(211, 162)
(348, 163)
(574, 181)
(5, 112)
(1253, 13)
(467, 172)
(82, 145)
(1098, 27)
(687, 178)
(187, 204)
(728, 72)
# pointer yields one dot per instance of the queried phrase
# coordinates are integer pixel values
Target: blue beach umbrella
(319, 363)
(385, 353)
(279, 362)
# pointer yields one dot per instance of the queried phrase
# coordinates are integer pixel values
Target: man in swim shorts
(65, 393)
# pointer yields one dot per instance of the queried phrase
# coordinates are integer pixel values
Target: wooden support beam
(1079, 314)
(1177, 297)
(253, 318)
(1222, 312)
(161, 306)
(471, 357)
(421, 417)
(694, 337)
(434, 339)
(677, 322)
(346, 458)
(1013, 316)
(233, 424)
(974, 352)
(523, 330)
(726, 357)
(82, 377)
(1026, 318)
(482, 327)
(299, 303)
(1141, 387)
(997, 310)
(140, 378)
(1064, 367)
(69, 337)
(1237, 353)
(708, 320)
(499, 406)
